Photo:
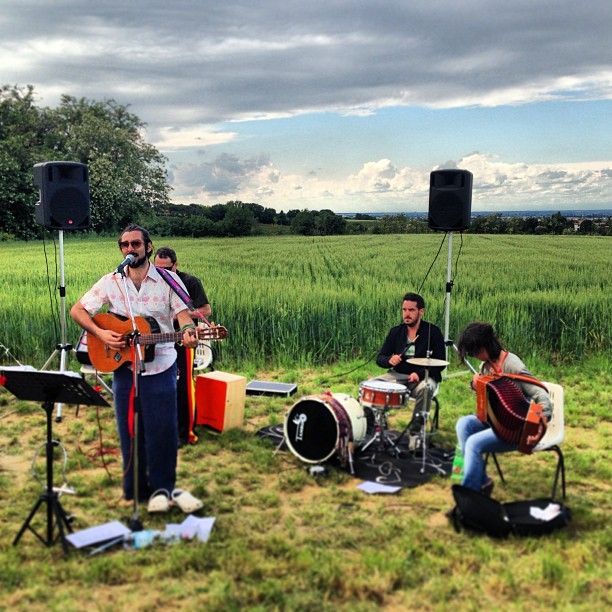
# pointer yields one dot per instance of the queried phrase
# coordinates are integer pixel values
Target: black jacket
(397, 342)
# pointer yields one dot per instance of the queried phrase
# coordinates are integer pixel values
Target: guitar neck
(146, 339)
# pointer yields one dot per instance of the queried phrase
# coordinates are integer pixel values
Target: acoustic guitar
(106, 359)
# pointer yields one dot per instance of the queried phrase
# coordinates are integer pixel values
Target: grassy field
(312, 311)
(300, 300)
(284, 540)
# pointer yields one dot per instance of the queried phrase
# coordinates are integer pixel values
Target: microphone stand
(137, 368)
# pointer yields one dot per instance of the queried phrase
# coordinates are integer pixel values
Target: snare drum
(316, 425)
(382, 394)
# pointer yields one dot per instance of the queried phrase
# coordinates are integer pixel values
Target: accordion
(513, 418)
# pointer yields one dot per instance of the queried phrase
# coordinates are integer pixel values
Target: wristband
(188, 326)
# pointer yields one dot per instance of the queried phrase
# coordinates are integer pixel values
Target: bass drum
(203, 356)
(316, 425)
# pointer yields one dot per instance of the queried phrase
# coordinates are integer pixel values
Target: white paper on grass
(545, 514)
(98, 534)
(371, 487)
(192, 527)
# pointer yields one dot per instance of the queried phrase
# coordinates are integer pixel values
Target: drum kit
(319, 426)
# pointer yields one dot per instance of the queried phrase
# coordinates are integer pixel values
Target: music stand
(48, 388)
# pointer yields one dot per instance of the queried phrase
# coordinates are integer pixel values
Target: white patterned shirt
(155, 299)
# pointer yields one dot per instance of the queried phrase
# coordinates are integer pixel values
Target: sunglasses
(135, 244)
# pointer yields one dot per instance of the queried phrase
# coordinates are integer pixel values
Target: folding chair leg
(499, 470)
(560, 471)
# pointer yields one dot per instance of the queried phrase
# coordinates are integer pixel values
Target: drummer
(414, 338)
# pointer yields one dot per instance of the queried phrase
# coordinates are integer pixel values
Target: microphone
(129, 258)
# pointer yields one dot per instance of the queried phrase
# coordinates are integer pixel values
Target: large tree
(126, 175)
(21, 135)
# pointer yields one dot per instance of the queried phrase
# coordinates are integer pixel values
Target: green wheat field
(314, 311)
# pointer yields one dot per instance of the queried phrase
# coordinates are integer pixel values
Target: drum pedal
(415, 442)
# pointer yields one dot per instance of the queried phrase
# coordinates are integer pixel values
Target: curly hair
(478, 336)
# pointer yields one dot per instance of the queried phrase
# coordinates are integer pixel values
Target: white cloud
(382, 186)
(168, 139)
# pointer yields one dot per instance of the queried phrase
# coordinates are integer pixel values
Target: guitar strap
(183, 295)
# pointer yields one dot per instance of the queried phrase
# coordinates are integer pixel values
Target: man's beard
(139, 261)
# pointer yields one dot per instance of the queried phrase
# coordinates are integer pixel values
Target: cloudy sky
(341, 104)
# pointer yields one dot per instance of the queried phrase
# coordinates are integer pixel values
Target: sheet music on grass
(371, 487)
(98, 534)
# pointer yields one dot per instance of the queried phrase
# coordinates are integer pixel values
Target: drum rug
(380, 464)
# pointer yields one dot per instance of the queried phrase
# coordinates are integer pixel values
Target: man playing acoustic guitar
(150, 296)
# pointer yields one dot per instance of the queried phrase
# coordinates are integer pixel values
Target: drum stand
(381, 436)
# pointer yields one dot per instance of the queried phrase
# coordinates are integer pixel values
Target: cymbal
(427, 362)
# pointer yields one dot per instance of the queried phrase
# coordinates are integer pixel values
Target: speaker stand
(449, 287)
(63, 348)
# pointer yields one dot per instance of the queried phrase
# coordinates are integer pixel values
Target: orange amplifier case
(220, 400)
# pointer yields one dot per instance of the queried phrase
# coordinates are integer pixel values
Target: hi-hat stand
(63, 348)
(26, 383)
(427, 461)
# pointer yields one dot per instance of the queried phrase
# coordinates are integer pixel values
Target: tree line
(494, 223)
(128, 181)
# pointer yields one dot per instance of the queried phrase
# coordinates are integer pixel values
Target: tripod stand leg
(389, 444)
(56, 516)
(370, 442)
(61, 522)
(26, 524)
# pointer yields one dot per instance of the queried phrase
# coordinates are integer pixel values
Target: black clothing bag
(477, 512)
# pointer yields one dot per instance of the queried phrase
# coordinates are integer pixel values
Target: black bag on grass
(477, 512)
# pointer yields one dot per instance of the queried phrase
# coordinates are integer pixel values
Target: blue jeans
(157, 431)
(475, 439)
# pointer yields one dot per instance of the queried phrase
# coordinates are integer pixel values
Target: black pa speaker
(450, 200)
(64, 195)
